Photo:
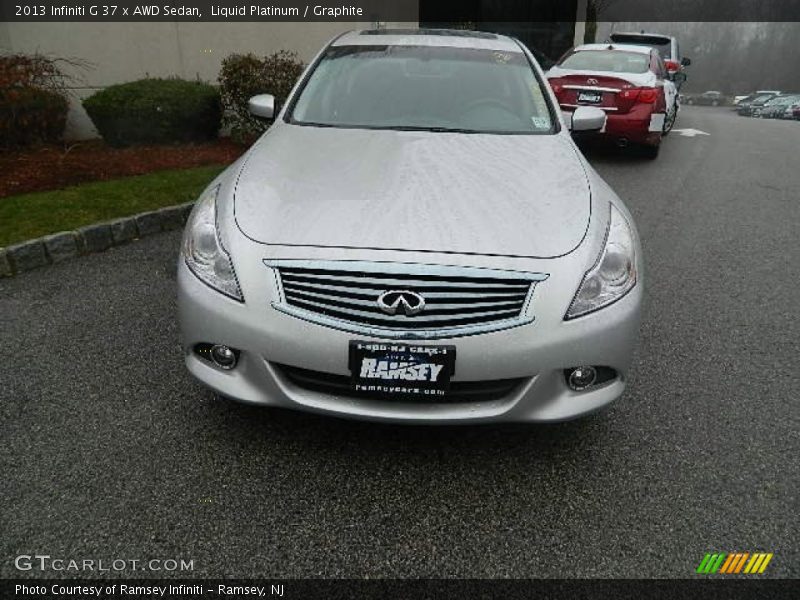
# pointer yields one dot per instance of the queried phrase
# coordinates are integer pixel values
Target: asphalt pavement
(110, 450)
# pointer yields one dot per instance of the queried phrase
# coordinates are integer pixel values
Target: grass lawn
(33, 215)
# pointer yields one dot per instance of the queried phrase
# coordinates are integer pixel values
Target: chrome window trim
(406, 269)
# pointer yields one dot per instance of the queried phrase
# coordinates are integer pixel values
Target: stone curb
(65, 245)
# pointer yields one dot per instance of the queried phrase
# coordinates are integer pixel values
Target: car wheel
(715, 103)
(669, 122)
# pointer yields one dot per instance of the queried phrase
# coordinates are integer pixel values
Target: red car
(630, 83)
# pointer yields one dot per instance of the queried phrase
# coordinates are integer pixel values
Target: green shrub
(245, 75)
(33, 100)
(155, 111)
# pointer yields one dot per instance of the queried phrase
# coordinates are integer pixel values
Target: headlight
(614, 273)
(203, 251)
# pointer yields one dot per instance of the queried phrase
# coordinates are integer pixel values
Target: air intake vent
(460, 391)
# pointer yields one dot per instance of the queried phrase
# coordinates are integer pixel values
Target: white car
(416, 238)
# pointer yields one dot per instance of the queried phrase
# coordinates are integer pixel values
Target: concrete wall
(119, 52)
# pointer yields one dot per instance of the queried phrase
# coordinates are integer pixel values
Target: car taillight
(648, 95)
(557, 87)
(643, 95)
(673, 66)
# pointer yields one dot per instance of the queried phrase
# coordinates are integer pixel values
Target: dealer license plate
(590, 97)
(401, 369)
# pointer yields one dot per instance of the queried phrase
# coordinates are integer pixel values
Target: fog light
(223, 357)
(581, 378)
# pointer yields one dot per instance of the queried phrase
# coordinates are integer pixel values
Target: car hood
(513, 195)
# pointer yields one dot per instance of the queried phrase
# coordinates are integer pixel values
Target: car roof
(621, 47)
(642, 34)
(452, 38)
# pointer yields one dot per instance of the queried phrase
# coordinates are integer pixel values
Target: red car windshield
(613, 61)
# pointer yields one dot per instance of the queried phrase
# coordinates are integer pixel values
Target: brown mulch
(57, 166)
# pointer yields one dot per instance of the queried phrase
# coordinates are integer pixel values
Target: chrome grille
(458, 300)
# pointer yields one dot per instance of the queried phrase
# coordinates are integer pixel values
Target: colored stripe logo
(734, 563)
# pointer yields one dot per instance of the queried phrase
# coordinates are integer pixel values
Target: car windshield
(615, 61)
(424, 88)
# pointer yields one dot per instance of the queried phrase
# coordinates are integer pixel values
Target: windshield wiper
(433, 128)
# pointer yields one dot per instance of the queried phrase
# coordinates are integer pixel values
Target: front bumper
(535, 353)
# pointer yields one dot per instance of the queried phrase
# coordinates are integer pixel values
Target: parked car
(627, 81)
(774, 108)
(746, 100)
(415, 238)
(754, 95)
(667, 47)
(746, 108)
(710, 98)
(792, 110)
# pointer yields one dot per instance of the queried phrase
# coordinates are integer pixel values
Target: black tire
(715, 103)
(669, 122)
(649, 152)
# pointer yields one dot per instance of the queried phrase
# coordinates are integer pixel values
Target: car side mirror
(686, 61)
(262, 106)
(587, 118)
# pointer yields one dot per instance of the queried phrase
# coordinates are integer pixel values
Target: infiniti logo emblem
(591, 81)
(401, 301)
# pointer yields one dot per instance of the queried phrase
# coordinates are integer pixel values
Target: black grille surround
(458, 300)
(461, 392)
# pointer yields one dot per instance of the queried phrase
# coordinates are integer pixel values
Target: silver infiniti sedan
(416, 238)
